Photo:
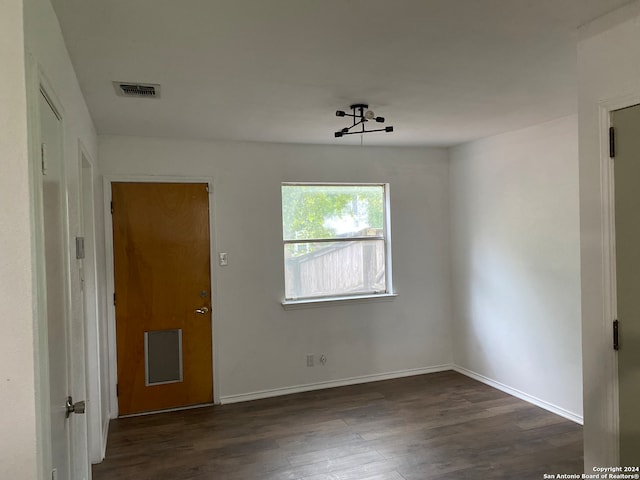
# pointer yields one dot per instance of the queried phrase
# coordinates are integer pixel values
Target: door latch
(77, 407)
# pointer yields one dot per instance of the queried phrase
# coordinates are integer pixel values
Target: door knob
(77, 407)
(202, 310)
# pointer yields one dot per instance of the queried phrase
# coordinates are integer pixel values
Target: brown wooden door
(163, 295)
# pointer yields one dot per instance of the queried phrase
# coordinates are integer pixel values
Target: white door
(53, 209)
(627, 210)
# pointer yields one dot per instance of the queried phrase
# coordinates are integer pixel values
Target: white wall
(515, 262)
(260, 345)
(45, 48)
(17, 390)
(609, 72)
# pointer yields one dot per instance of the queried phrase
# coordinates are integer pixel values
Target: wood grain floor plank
(430, 427)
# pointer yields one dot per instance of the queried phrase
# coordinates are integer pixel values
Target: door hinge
(612, 142)
(112, 207)
(80, 254)
(43, 158)
(114, 298)
(616, 344)
(117, 390)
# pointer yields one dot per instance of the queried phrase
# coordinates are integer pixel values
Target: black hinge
(112, 208)
(616, 344)
(612, 142)
(117, 390)
(43, 158)
(114, 298)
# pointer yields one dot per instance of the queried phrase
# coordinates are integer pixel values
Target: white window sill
(332, 301)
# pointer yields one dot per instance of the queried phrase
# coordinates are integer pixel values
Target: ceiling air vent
(140, 90)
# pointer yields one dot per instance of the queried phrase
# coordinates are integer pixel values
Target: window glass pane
(328, 211)
(334, 268)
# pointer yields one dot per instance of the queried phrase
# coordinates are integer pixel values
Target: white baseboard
(105, 435)
(521, 395)
(276, 392)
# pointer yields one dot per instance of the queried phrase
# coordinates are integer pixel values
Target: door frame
(111, 310)
(96, 428)
(610, 308)
(38, 84)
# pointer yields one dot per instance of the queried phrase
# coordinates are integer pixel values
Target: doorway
(94, 336)
(55, 283)
(626, 164)
(162, 295)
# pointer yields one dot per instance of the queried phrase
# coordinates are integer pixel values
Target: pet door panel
(163, 356)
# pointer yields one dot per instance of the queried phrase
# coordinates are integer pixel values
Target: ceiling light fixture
(361, 114)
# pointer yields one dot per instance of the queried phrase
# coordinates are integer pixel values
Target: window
(336, 240)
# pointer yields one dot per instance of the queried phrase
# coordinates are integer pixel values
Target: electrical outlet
(323, 359)
(309, 360)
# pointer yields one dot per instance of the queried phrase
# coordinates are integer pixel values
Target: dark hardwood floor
(437, 426)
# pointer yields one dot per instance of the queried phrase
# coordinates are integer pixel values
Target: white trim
(39, 307)
(91, 303)
(609, 311)
(520, 394)
(215, 311)
(111, 313)
(387, 232)
(293, 303)
(608, 20)
(105, 436)
(331, 240)
(37, 83)
(47, 90)
(376, 377)
(276, 392)
(610, 400)
(331, 301)
(336, 184)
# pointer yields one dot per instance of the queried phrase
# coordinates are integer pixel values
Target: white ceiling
(441, 71)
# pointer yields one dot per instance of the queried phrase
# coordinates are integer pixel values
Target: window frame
(388, 293)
